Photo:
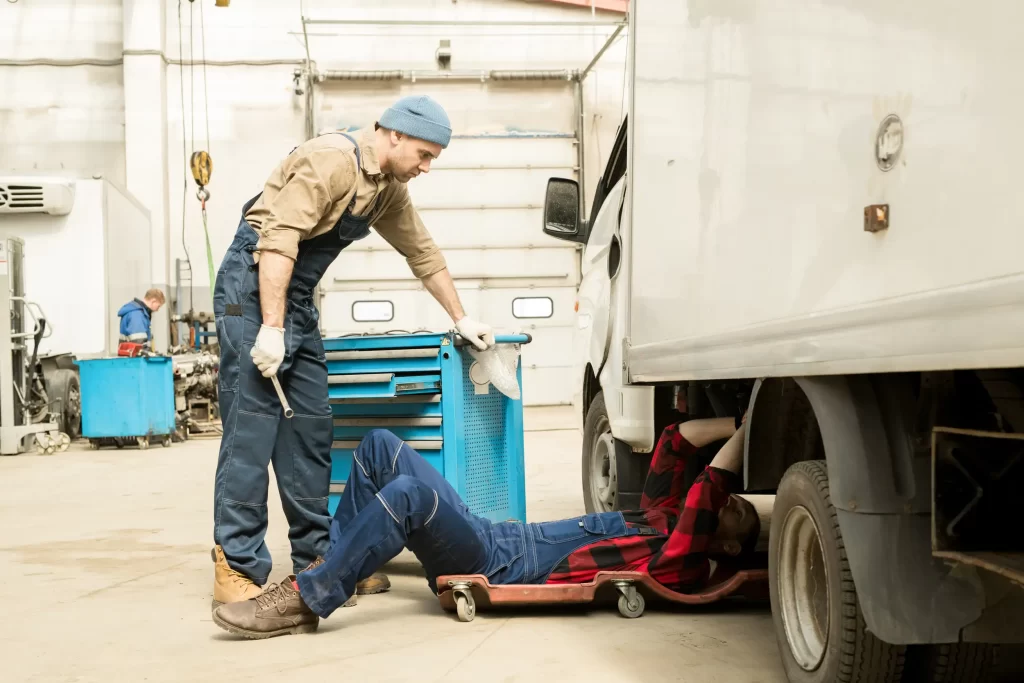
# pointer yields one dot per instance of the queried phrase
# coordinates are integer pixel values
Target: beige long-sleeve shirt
(309, 191)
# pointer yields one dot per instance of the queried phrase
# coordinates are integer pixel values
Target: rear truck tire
(63, 385)
(610, 468)
(1008, 664)
(821, 633)
(950, 663)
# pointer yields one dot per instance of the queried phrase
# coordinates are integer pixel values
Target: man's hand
(442, 287)
(268, 351)
(477, 333)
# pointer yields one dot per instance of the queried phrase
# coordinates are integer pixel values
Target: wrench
(288, 412)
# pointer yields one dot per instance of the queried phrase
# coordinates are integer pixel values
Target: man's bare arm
(703, 431)
(442, 287)
(730, 457)
(275, 274)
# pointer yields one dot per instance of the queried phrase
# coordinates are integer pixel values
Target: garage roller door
(482, 202)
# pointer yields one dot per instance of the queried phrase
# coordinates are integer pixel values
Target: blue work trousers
(395, 499)
(255, 431)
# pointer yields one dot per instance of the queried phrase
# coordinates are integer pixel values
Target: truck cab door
(599, 266)
(601, 259)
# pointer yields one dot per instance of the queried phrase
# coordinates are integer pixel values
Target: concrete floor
(108, 577)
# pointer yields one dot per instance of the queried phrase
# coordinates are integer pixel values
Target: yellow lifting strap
(202, 168)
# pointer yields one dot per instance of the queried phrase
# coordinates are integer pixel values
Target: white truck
(813, 210)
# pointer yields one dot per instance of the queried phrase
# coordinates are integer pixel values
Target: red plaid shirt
(669, 544)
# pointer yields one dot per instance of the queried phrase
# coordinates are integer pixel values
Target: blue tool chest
(419, 387)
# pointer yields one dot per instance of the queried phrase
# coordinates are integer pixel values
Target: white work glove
(268, 351)
(476, 333)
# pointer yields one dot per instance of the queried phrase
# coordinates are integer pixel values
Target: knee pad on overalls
(409, 501)
(377, 450)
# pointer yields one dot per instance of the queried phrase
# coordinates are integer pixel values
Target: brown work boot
(277, 611)
(229, 585)
(377, 583)
(351, 602)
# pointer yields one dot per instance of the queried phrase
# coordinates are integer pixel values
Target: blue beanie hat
(420, 117)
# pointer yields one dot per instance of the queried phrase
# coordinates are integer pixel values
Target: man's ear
(732, 548)
(396, 137)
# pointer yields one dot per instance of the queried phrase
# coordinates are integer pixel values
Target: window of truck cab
(613, 172)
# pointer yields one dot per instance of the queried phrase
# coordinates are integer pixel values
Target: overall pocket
(566, 530)
(507, 554)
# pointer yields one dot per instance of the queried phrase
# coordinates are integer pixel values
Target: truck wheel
(821, 633)
(1008, 664)
(609, 465)
(949, 663)
(62, 385)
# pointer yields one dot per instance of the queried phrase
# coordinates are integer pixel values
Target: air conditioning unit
(36, 194)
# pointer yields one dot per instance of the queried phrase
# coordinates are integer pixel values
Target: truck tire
(62, 385)
(950, 663)
(820, 630)
(1008, 664)
(612, 473)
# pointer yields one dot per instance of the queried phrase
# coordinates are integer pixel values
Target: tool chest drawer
(419, 386)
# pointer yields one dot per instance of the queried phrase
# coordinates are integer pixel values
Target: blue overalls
(395, 499)
(255, 432)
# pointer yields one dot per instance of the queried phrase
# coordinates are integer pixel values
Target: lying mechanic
(394, 499)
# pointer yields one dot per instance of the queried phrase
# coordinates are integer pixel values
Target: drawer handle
(419, 444)
(373, 378)
(387, 421)
(382, 355)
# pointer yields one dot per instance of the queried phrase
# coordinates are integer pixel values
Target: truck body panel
(759, 132)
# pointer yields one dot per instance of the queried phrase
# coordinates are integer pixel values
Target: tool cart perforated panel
(422, 388)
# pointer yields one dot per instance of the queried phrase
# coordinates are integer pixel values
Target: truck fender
(882, 495)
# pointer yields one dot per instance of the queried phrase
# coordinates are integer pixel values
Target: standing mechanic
(324, 195)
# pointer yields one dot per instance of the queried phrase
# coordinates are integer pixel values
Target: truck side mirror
(562, 211)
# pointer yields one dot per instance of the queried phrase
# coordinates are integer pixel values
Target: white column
(145, 136)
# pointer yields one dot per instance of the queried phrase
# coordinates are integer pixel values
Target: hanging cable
(206, 96)
(184, 156)
(192, 70)
(201, 162)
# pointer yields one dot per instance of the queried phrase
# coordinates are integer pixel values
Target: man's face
(735, 522)
(411, 156)
(153, 304)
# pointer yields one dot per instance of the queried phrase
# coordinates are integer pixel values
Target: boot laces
(238, 578)
(273, 596)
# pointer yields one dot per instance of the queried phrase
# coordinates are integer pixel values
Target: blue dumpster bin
(419, 387)
(127, 400)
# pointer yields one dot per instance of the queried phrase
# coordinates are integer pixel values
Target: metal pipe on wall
(533, 75)
(310, 106)
(442, 22)
(412, 75)
(600, 53)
